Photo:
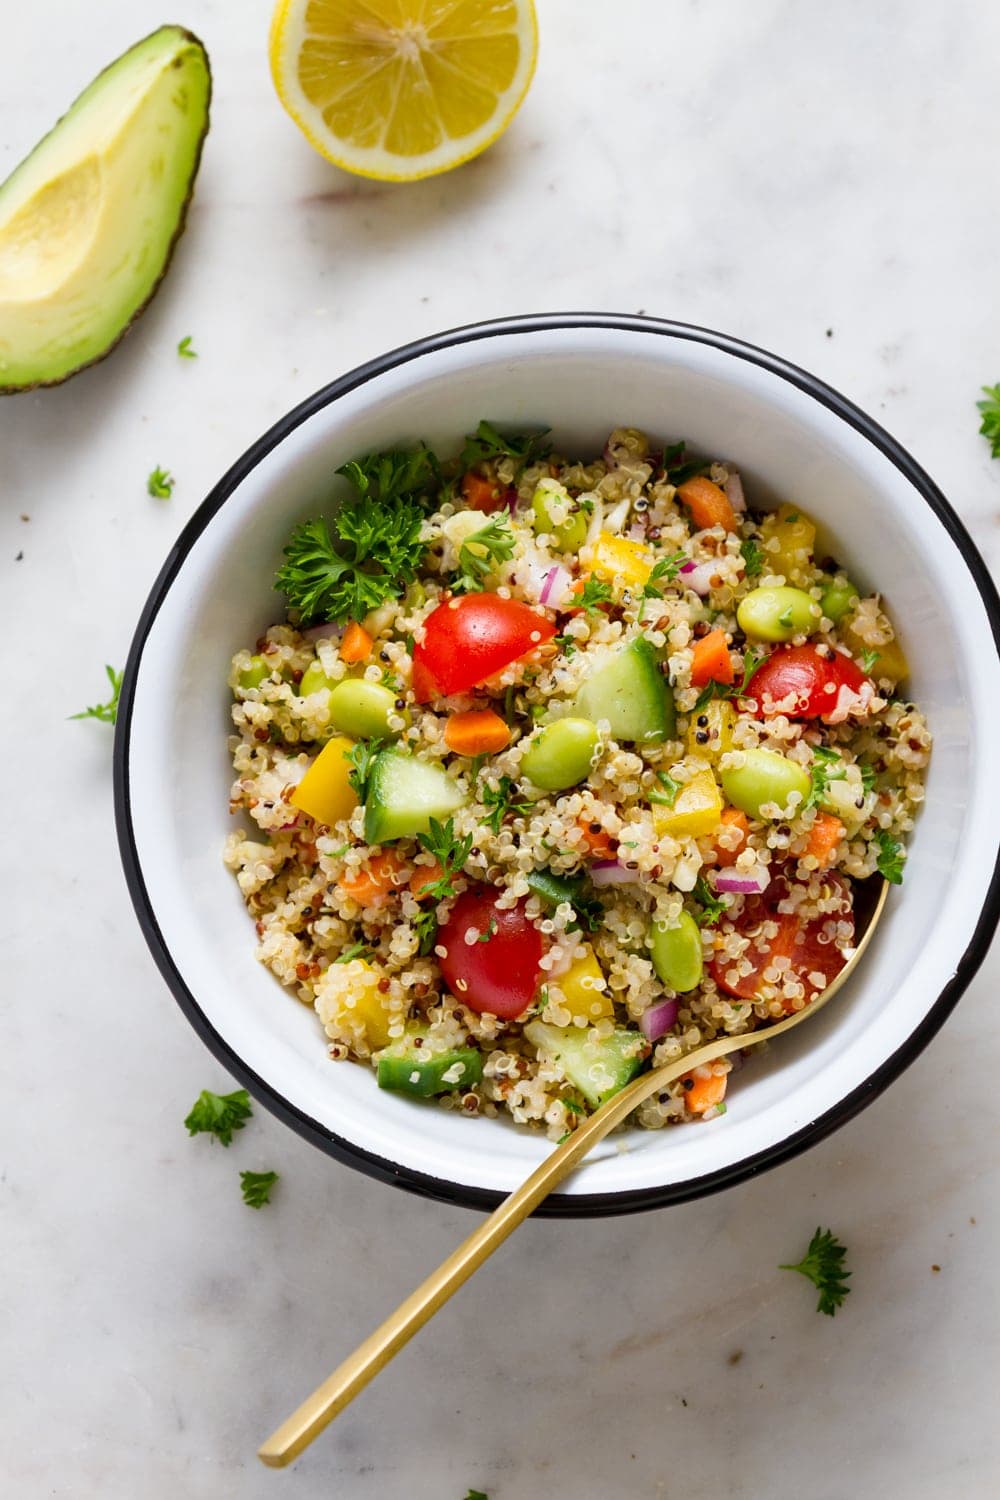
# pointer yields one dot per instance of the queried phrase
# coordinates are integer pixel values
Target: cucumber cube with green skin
(410, 1070)
(630, 692)
(404, 794)
(597, 1068)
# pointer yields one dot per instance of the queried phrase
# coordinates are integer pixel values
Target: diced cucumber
(404, 793)
(630, 691)
(411, 1070)
(597, 1068)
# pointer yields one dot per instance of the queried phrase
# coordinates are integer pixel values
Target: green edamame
(561, 754)
(677, 955)
(569, 534)
(253, 675)
(764, 777)
(314, 678)
(838, 598)
(777, 614)
(363, 709)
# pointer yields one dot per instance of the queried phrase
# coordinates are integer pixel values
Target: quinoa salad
(555, 770)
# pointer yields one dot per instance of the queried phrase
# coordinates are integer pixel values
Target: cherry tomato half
(467, 639)
(499, 972)
(809, 946)
(814, 675)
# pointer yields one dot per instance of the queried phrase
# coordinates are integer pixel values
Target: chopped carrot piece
(824, 836)
(424, 876)
(709, 506)
(482, 494)
(479, 731)
(732, 817)
(710, 660)
(372, 885)
(600, 845)
(356, 644)
(703, 1093)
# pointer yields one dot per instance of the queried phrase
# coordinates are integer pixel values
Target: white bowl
(581, 375)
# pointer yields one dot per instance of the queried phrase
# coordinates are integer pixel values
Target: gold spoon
(340, 1388)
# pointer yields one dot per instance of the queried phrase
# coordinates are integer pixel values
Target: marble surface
(819, 179)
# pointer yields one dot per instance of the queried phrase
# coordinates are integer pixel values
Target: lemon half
(401, 89)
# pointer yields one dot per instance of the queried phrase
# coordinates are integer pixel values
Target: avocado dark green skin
(189, 36)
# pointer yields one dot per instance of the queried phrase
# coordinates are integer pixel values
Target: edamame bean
(363, 709)
(764, 777)
(838, 598)
(314, 678)
(777, 614)
(570, 534)
(676, 953)
(560, 755)
(253, 675)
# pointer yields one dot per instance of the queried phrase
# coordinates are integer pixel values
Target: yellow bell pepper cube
(715, 736)
(580, 986)
(889, 660)
(696, 810)
(357, 1012)
(618, 560)
(325, 792)
(795, 534)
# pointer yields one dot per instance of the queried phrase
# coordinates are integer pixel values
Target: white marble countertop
(820, 180)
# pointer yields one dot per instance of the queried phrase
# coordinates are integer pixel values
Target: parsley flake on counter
(256, 1187)
(476, 1495)
(990, 411)
(160, 484)
(823, 1264)
(219, 1114)
(106, 712)
(184, 348)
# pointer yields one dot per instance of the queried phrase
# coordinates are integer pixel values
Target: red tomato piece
(470, 638)
(497, 974)
(808, 946)
(815, 676)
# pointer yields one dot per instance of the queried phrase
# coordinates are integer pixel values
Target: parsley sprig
(823, 1264)
(256, 1187)
(990, 412)
(219, 1114)
(713, 689)
(480, 553)
(890, 857)
(712, 907)
(362, 758)
(753, 557)
(827, 767)
(106, 712)
(486, 445)
(185, 350)
(501, 800)
(665, 571)
(677, 466)
(374, 549)
(451, 854)
(594, 593)
(160, 484)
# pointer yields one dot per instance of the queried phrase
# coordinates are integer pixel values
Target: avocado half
(89, 221)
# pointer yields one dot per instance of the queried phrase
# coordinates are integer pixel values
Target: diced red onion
(637, 532)
(658, 1019)
(611, 872)
(738, 883)
(555, 586)
(510, 499)
(321, 632)
(734, 493)
(698, 576)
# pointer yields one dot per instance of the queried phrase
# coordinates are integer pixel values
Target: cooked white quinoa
(296, 876)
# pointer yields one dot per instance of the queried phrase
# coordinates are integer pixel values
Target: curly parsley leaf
(160, 484)
(480, 553)
(668, 796)
(412, 475)
(713, 689)
(827, 766)
(676, 465)
(665, 571)
(990, 412)
(256, 1187)
(501, 800)
(712, 907)
(486, 445)
(594, 593)
(185, 350)
(106, 712)
(890, 857)
(753, 557)
(451, 854)
(219, 1114)
(376, 554)
(823, 1264)
(362, 758)
(867, 660)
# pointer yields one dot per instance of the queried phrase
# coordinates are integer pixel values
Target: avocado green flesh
(89, 220)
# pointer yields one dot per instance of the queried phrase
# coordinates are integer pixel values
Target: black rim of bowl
(584, 1205)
